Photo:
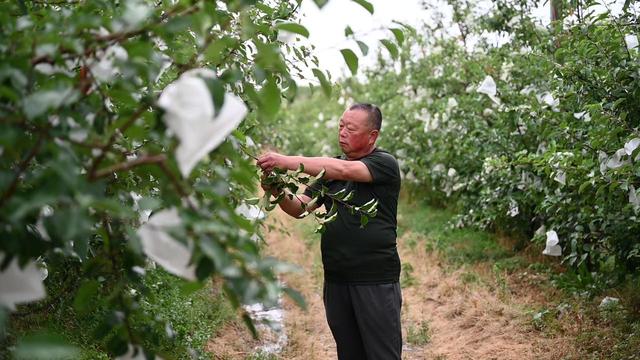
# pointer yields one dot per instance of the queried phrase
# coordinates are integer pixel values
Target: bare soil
(447, 313)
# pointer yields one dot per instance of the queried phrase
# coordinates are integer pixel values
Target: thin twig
(246, 151)
(143, 160)
(21, 168)
(176, 184)
(112, 140)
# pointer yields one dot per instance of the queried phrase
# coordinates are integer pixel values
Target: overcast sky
(326, 26)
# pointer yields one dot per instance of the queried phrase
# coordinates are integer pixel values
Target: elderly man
(362, 295)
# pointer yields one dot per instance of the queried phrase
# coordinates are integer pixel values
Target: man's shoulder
(382, 155)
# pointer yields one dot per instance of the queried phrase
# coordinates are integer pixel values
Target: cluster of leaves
(95, 99)
(531, 129)
(287, 184)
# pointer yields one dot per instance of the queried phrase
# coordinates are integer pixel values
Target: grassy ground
(194, 318)
(564, 303)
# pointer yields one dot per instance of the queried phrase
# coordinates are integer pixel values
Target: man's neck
(360, 155)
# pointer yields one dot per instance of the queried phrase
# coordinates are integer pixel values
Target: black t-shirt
(369, 255)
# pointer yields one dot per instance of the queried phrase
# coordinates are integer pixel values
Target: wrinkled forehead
(355, 117)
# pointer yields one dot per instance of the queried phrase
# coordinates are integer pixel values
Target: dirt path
(446, 314)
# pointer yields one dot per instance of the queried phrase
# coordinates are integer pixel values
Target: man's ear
(373, 136)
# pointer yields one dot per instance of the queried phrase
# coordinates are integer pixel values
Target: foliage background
(554, 150)
(85, 149)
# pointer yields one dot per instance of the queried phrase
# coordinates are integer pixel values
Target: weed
(419, 334)
(262, 356)
(406, 278)
(470, 277)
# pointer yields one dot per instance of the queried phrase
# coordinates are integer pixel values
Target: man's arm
(336, 169)
(293, 207)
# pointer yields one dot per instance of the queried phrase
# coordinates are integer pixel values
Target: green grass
(603, 334)
(194, 318)
(406, 276)
(418, 334)
(457, 246)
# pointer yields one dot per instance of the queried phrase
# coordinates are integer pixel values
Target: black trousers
(365, 320)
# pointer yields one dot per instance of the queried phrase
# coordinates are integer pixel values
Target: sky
(327, 25)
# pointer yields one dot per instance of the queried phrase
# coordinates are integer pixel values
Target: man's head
(359, 128)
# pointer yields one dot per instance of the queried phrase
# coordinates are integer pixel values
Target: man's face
(355, 135)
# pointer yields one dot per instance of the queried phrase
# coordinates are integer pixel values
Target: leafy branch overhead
(122, 126)
(288, 184)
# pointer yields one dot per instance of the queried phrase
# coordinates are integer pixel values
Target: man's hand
(271, 160)
(268, 188)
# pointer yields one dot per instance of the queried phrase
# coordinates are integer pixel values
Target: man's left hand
(271, 160)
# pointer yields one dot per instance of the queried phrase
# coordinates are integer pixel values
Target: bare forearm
(293, 206)
(336, 169)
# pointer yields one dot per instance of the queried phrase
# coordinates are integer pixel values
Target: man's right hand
(267, 187)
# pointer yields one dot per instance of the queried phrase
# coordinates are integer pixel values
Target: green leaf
(326, 86)
(351, 59)
(584, 186)
(321, 3)
(369, 205)
(348, 31)
(252, 201)
(320, 174)
(4, 316)
(214, 251)
(278, 199)
(365, 4)
(270, 98)
(216, 88)
(391, 47)
(264, 8)
(218, 50)
(312, 202)
(363, 221)
(331, 218)
(204, 268)
(249, 323)
(296, 297)
(42, 101)
(349, 196)
(363, 47)
(293, 28)
(398, 34)
(85, 296)
(339, 194)
(44, 346)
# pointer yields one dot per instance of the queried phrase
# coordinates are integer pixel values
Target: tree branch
(176, 183)
(21, 168)
(144, 160)
(112, 140)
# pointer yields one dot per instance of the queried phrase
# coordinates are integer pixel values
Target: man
(362, 296)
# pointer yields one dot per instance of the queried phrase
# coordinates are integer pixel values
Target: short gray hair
(373, 113)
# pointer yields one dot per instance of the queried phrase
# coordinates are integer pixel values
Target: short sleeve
(383, 167)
